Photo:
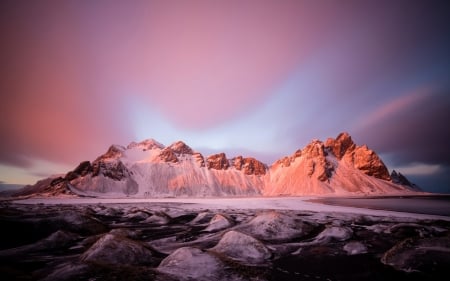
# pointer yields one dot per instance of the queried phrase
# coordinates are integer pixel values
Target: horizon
(260, 77)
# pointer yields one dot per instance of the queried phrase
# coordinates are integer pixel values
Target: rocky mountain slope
(149, 169)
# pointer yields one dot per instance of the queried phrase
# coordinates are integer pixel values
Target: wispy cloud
(419, 169)
(393, 107)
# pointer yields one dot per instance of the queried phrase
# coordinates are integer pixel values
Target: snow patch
(242, 247)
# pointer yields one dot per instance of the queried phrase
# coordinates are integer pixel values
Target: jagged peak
(180, 147)
(341, 145)
(146, 144)
(115, 151)
(217, 161)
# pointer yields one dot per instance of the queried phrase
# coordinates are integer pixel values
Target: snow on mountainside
(149, 169)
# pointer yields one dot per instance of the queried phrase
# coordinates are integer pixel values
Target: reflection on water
(432, 205)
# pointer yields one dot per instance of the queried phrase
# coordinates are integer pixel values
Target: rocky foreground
(164, 241)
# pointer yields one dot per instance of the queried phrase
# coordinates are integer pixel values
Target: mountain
(149, 169)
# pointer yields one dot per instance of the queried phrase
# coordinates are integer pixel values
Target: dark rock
(115, 170)
(82, 169)
(249, 165)
(341, 145)
(217, 162)
(167, 155)
(199, 159)
(398, 178)
(180, 147)
(117, 249)
(426, 255)
(368, 162)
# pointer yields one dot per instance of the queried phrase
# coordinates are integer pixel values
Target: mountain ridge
(148, 168)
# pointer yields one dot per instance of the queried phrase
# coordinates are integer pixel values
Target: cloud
(419, 169)
(415, 132)
(389, 110)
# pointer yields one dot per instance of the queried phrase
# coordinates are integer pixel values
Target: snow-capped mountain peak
(148, 168)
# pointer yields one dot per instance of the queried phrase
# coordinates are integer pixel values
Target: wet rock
(242, 247)
(276, 226)
(189, 263)
(158, 218)
(76, 222)
(426, 255)
(219, 222)
(338, 233)
(137, 216)
(57, 240)
(355, 248)
(132, 234)
(116, 249)
(201, 218)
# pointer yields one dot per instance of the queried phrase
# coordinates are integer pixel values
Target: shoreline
(305, 203)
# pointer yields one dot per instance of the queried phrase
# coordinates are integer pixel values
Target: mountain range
(150, 169)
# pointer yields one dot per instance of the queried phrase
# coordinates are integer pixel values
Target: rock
(198, 157)
(398, 178)
(201, 218)
(283, 162)
(217, 162)
(189, 263)
(355, 248)
(147, 144)
(116, 249)
(115, 170)
(242, 247)
(341, 145)
(168, 155)
(114, 152)
(426, 255)
(276, 226)
(368, 162)
(158, 218)
(137, 216)
(75, 222)
(219, 222)
(180, 147)
(317, 163)
(249, 165)
(82, 169)
(338, 233)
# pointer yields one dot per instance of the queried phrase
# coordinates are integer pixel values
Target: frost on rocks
(158, 218)
(334, 233)
(201, 218)
(274, 226)
(219, 222)
(137, 216)
(114, 249)
(355, 248)
(189, 263)
(242, 247)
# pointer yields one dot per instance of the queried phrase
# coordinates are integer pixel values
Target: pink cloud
(394, 107)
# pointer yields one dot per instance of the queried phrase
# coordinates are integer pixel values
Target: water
(431, 205)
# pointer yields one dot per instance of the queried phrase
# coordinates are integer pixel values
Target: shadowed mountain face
(148, 168)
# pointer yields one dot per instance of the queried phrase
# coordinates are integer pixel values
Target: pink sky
(261, 77)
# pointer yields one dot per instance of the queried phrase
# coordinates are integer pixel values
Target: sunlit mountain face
(260, 79)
